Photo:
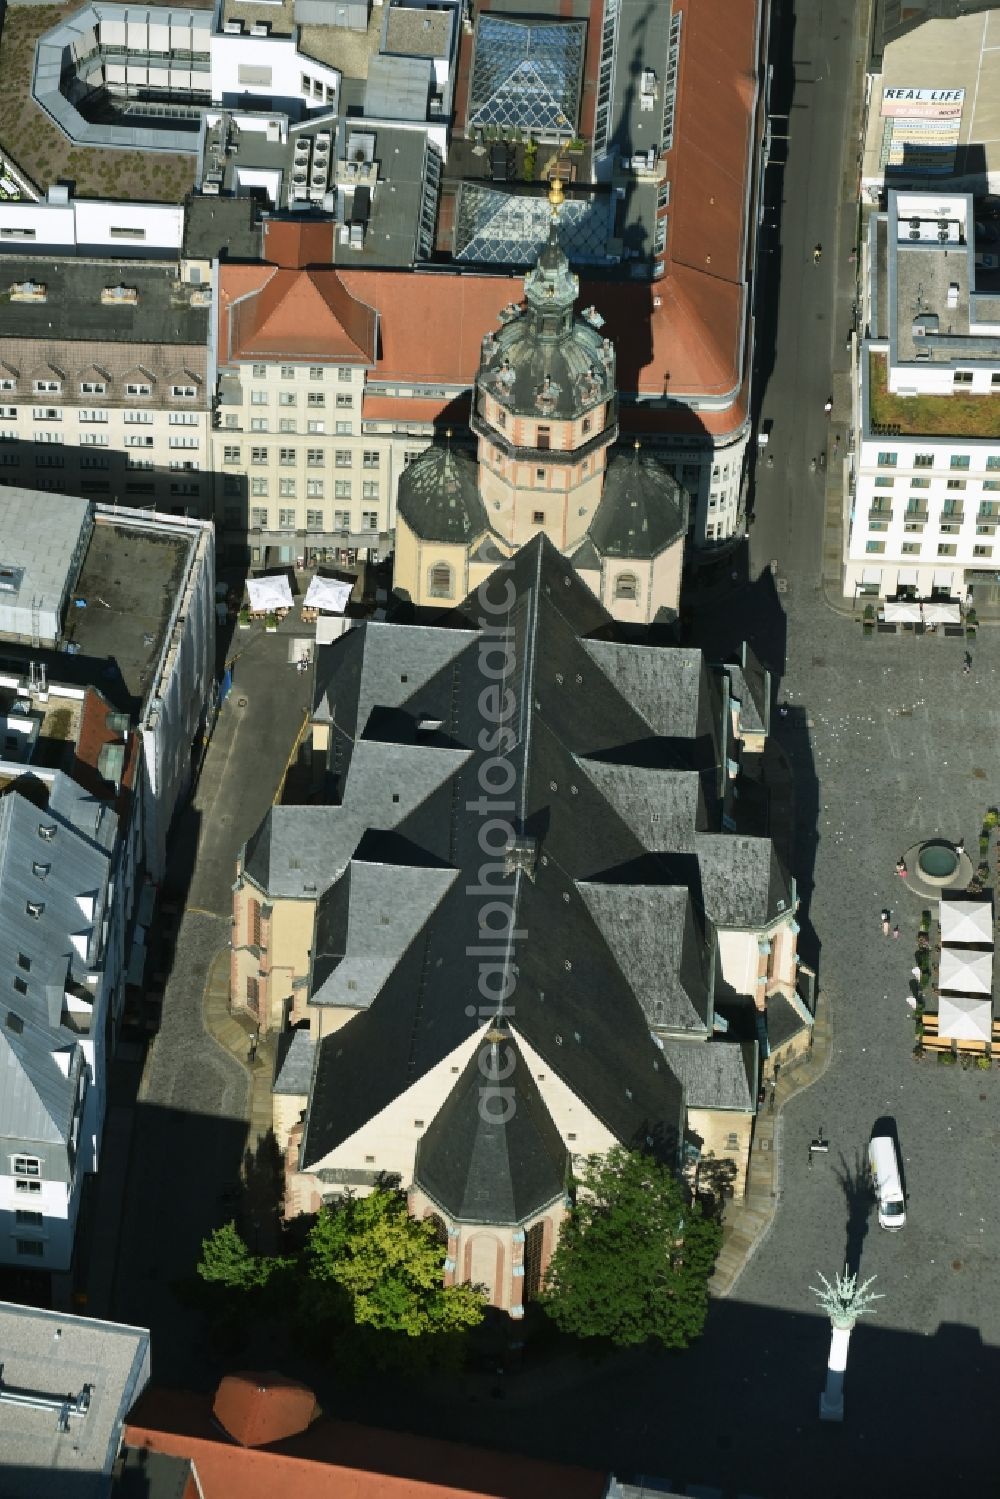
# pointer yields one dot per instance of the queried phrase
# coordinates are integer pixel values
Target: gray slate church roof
(616, 790)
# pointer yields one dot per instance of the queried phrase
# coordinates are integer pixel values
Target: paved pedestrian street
(903, 745)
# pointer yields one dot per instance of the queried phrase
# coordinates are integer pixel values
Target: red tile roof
(710, 161)
(443, 410)
(340, 1460)
(258, 1409)
(296, 245)
(294, 313)
(432, 323)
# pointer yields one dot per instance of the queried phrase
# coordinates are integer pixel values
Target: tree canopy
(366, 1265)
(634, 1256)
(390, 1267)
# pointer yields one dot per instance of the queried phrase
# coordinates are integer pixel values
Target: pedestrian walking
(915, 973)
(966, 667)
(885, 926)
(960, 846)
(901, 867)
(911, 1001)
(895, 932)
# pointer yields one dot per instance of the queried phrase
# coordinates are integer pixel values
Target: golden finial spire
(556, 197)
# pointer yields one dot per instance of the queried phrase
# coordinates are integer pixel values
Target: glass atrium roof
(527, 74)
(503, 228)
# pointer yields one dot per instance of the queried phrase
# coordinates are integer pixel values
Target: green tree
(389, 1266)
(226, 1261)
(634, 1256)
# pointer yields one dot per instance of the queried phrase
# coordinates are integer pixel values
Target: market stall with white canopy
(269, 594)
(968, 921)
(965, 1017)
(965, 971)
(901, 611)
(328, 594)
(942, 612)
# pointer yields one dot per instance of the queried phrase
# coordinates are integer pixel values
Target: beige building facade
(106, 386)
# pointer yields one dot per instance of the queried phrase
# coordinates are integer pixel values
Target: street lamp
(844, 1302)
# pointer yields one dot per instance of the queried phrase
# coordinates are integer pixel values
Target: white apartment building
(924, 477)
(55, 861)
(105, 381)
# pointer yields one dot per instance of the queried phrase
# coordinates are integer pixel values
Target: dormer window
(35, 908)
(47, 830)
(46, 387)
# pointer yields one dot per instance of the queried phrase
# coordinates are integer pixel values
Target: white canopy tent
(967, 921)
(269, 593)
(965, 1017)
(328, 594)
(942, 612)
(902, 611)
(966, 972)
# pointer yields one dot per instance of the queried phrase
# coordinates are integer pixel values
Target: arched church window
(441, 581)
(626, 586)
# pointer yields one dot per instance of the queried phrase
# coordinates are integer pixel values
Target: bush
(925, 921)
(991, 819)
(984, 1063)
(946, 1058)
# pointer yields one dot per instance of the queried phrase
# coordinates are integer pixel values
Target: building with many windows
(56, 845)
(925, 473)
(105, 381)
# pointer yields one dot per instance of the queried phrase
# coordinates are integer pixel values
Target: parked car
(883, 1163)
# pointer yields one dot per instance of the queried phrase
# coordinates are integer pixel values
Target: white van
(884, 1167)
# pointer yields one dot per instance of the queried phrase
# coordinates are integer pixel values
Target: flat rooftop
(414, 32)
(166, 311)
(54, 1355)
(932, 293)
(928, 416)
(279, 17)
(350, 52)
(129, 581)
(372, 180)
(221, 228)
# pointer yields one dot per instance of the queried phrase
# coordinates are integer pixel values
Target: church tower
(545, 409)
(545, 418)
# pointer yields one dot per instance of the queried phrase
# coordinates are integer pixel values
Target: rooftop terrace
(129, 580)
(42, 151)
(928, 416)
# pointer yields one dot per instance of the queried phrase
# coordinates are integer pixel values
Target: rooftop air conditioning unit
(942, 223)
(914, 223)
(233, 28)
(260, 28)
(914, 233)
(942, 236)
